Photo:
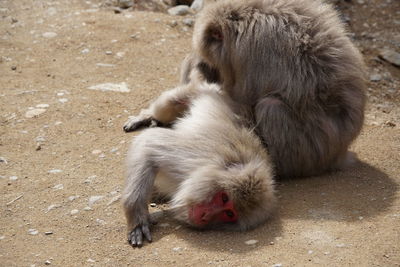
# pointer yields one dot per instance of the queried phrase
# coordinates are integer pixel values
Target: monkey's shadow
(360, 192)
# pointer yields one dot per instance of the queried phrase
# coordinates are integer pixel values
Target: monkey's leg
(164, 110)
(299, 146)
(140, 180)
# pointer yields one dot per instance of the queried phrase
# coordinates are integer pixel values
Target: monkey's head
(233, 196)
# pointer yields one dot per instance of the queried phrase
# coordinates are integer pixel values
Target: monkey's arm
(140, 181)
(164, 110)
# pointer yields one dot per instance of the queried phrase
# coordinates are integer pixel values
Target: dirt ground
(62, 171)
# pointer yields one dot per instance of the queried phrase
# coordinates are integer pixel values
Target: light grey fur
(206, 151)
(293, 72)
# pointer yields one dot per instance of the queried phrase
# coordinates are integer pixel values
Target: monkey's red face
(219, 210)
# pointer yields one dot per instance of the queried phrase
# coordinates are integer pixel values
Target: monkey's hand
(135, 237)
(138, 122)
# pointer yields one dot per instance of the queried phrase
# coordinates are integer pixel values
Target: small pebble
(179, 10)
(153, 205)
(13, 67)
(96, 151)
(47, 262)
(55, 171)
(3, 160)
(48, 233)
(34, 112)
(94, 199)
(177, 249)
(251, 242)
(58, 187)
(72, 198)
(13, 178)
(341, 245)
(188, 21)
(91, 261)
(33, 231)
(42, 105)
(310, 252)
(49, 34)
(375, 77)
(74, 212)
(85, 51)
(2, 237)
(109, 52)
(63, 100)
(53, 206)
(277, 265)
(87, 208)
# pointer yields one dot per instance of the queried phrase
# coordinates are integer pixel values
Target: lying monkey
(215, 171)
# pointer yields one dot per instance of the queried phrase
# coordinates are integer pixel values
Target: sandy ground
(62, 159)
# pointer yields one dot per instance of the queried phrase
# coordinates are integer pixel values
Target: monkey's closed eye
(229, 213)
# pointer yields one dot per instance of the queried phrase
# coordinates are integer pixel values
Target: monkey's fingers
(146, 232)
(137, 122)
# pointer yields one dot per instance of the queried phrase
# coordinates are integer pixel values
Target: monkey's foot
(135, 237)
(138, 122)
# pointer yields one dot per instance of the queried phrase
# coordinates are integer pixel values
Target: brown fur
(293, 73)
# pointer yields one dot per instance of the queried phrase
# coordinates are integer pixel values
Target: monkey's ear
(214, 34)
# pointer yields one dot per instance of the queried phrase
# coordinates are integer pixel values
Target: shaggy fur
(206, 151)
(292, 72)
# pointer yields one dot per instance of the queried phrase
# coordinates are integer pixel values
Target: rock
(13, 178)
(13, 67)
(34, 112)
(74, 212)
(49, 35)
(125, 3)
(188, 21)
(251, 242)
(53, 206)
(390, 56)
(116, 87)
(180, 10)
(153, 205)
(42, 105)
(40, 139)
(55, 171)
(63, 100)
(94, 199)
(87, 208)
(375, 77)
(2, 237)
(47, 262)
(106, 65)
(72, 198)
(48, 233)
(109, 52)
(33, 231)
(96, 151)
(91, 261)
(58, 187)
(100, 221)
(114, 149)
(85, 51)
(90, 179)
(3, 160)
(197, 5)
(177, 249)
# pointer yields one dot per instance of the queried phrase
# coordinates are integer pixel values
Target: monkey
(215, 171)
(292, 69)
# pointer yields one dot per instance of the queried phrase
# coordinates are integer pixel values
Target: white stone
(33, 231)
(58, 187)
(42, 105)
(74, 212)
(49, 34)
(85, 51)
(251, 242)
(34, 112)
(72, 198)
(94, 199)
(179, 10)
(116, 87)
(55, 171)
(53, 206)
(106, 65)
(13, 178)
(197, 5)
(63, 100)
(96, 151)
